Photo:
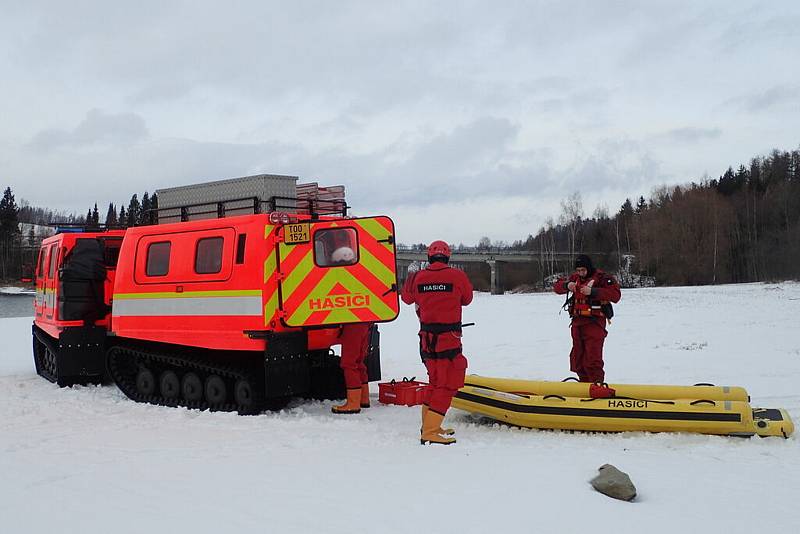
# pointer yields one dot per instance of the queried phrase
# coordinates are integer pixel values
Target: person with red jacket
(592, 291)
(355, 345)
(439, 291)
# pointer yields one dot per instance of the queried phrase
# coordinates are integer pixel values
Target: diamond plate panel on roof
(261, 186)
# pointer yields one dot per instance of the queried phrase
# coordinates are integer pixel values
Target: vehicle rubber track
(129, 367)
(45, 357)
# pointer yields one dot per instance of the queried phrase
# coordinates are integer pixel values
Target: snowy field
(87, 459)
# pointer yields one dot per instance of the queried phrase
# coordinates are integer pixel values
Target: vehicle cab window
(42, 262)
(51, 269)
(208, 255)
(158, 258)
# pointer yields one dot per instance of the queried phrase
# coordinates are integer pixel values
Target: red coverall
(439, 292)
(589, 332)
(355, 344)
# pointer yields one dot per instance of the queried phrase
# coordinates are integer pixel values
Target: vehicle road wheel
(243, 393)
(215, 390)
(191, 387)
(145, 382)
(169, 384)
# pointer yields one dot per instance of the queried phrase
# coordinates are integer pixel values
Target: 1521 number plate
(296, 233)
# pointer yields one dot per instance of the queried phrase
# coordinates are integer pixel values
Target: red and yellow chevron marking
(270, 268)
(313, 295)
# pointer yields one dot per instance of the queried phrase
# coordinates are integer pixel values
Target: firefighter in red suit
(355, 345)
(439, 292)
(592, 291)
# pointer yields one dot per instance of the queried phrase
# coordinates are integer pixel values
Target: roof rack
(314, 207)
(76, 227)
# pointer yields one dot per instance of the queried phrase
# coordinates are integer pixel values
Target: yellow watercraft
(567, 406)
(569, 388)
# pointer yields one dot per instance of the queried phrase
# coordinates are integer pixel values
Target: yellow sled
(581, 389)
(507, 402)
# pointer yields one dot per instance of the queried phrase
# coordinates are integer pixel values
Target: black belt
(440, 328)
(445, 354)
(431, 332)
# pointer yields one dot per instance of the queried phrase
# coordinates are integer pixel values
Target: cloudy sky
(458, 119)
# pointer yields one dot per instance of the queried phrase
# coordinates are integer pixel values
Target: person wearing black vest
(439, 292)
(593, 291)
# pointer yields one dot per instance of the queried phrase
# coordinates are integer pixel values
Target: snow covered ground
(16, 290)
(87, 459)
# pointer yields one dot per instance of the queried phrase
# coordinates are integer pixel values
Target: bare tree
(571, 217)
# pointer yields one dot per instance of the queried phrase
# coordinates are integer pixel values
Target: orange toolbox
(407, 392)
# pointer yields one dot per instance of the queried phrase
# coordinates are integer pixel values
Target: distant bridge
(495, 258)
(510, 256)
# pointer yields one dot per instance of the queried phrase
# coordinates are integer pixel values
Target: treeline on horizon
(743, 226)
(138, 213)
(18, 252)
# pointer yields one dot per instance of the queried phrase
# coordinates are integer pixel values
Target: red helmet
(438, 248)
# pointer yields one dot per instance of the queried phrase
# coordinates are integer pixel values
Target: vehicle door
(50, 282)
(41, 271)
(337, 272)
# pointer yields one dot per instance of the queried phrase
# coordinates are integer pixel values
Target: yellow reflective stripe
(188, 294)
(373, 228)
(285, 250)
(376, 267)
(341, 315)
(271, 307)
(297, 275)
(270, 264)
(376, 230)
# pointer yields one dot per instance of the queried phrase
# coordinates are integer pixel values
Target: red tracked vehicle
(228, 313)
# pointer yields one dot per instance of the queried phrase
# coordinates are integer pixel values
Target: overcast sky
(457, 119)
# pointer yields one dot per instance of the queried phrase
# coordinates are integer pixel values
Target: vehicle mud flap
(82, 355)
(373, 360)
(77, 357)
(286, 365)
(327, 378)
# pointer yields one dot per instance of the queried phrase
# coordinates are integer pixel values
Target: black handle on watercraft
(554, 396)
(704, 384)
(464, 325)
(570, 379)
(700, 401)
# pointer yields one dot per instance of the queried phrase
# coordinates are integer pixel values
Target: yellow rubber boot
(365, 395)
(430, 427)
(353, 403)
(442, 431)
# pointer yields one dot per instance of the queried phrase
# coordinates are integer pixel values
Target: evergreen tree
(134, 210)
(9, 233)
(9, 212)
(95, 216)
(123, 217)
(641, 206)
(626, 210)
(111, 215)
(144, 216)
(154, 207)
